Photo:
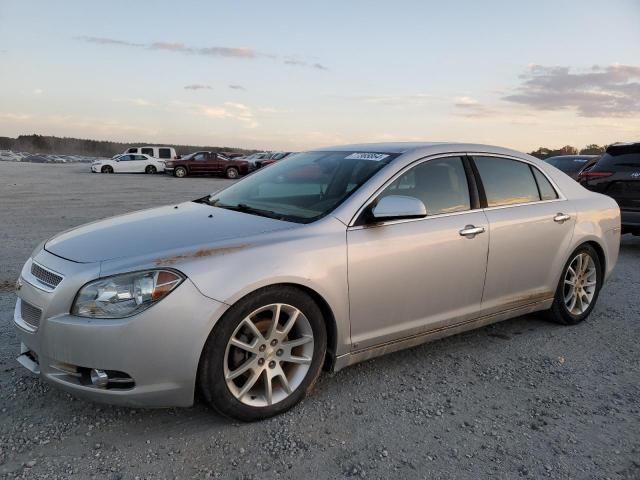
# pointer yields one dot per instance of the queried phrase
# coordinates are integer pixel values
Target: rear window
(164, 153)
(547, 192)
(568, 164)
(618, 162)
(506, 182)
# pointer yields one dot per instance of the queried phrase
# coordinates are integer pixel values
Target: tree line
(592, 149)
(93, 148)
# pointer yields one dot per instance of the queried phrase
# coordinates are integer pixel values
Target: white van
(163, 153)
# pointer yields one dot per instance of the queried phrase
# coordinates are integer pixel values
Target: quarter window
(506, 182)
(148, 151)
(441, 184)
(547, 192)
(133, 150)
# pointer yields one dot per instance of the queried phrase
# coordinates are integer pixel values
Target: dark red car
(201, 163)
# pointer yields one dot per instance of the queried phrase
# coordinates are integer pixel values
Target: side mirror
(396, 207)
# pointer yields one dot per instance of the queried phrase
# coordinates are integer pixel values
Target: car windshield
(303, 187)
(568, 164)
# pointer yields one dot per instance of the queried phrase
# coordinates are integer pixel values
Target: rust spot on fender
(202, 253)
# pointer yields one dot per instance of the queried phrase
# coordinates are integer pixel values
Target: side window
(506, 182)
(147, 151)
(164, 153)
(441, 184)
(547, 192)
(140, 157)
(124, 158)
(200, 156)
(133, 150)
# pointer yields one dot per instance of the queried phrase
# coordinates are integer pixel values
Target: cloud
(472, 108)
(216, 51)
(38, 91)
(609, 91)
(416, 99)
(295, 62)
(108, 41)
(197, 86)
(236, 87)
(228, 110)
(15, 117)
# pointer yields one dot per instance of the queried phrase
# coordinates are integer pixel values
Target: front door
(407, 277)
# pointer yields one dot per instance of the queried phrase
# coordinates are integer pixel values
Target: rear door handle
(471, 231)
(561, 217)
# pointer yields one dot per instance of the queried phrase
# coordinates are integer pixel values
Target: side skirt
(358, 356)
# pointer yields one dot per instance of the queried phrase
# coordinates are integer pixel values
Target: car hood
(157, 230)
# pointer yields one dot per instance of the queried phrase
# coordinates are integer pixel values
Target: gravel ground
(520, 399)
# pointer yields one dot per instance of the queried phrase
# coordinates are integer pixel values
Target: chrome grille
(45, 276)
(30, 314)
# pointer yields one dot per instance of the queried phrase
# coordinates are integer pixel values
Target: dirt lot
(523, 398)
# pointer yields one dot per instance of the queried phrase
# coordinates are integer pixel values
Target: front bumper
(158, 349)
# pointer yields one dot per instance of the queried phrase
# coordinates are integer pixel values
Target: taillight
(587, 175)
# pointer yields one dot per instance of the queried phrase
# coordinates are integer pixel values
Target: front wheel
(232, 173)
(180, 172)
(579, 286)
(151, 169)
(107, 169)
(265, 354)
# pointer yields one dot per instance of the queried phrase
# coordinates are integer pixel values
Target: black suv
(617, 174)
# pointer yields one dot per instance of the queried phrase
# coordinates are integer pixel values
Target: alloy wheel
(580, 283)
(268, 355)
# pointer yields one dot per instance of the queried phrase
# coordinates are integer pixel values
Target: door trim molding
(357, 356)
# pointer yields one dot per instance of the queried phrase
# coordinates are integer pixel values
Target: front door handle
(561, 217)
(471, 231)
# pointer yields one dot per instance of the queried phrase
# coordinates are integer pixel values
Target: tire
(180, 172)
(560, 311)
(220, 359)
(106, 169)
(232, 173)
(151, 170)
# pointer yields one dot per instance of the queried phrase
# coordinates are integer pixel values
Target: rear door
(138, 163)
(530, 231)
(148, 151)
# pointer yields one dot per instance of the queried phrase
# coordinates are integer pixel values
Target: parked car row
(615, 173)
(156, 159)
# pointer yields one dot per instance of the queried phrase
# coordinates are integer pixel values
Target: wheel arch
(327, 314)
(602, 258)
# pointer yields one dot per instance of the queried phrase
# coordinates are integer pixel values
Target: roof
(427, 148)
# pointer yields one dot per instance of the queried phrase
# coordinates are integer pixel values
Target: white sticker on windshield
(376, 157)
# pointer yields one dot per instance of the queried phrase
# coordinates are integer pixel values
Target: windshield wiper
(243, 207)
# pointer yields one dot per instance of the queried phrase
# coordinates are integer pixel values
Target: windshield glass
(302, 187)
(569, 164)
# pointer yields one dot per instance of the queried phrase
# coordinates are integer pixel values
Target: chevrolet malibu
(325, 259)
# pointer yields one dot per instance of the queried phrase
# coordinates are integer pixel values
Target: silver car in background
(328, 258)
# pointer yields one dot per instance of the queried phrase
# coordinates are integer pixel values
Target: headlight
(125, 295)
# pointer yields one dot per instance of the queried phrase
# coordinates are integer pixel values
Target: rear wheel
(264, 355)
(107, 169)
(579, 286)
(151, 169)
(232, 172)
(180, 172)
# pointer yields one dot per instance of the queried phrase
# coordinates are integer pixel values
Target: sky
(292, 75)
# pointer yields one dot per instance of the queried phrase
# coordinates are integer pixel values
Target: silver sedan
(325, 259)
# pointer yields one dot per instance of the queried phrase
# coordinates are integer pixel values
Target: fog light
(99, 378)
